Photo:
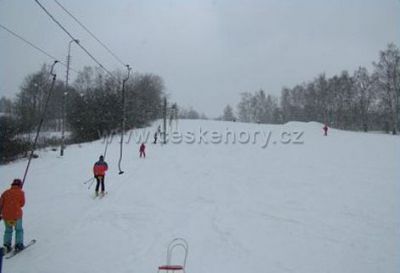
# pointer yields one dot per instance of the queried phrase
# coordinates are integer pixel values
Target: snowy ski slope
(304, 203)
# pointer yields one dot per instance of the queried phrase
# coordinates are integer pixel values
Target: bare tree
(30, 100)
(245, 111)
(387, 70)
(6, 105)
(365, 94)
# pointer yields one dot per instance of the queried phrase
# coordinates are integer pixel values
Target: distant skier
(99, 171)
(11, 203)
(155, 138)
(142, 150)
(325, 130)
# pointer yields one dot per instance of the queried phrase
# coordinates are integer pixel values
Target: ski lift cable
(73, 38)
(43, 115)
(34, 46)
(91, 33)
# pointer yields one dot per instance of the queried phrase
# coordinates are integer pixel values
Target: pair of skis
(12, 253)
(100, 195)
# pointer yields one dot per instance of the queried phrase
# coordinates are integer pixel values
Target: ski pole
(87, 181)
(90, 185)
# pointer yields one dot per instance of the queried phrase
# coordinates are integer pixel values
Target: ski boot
(19, 247)
(7, 248)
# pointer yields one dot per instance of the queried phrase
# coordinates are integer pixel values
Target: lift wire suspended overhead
(90, 33)
(34, 46)
(73, 38)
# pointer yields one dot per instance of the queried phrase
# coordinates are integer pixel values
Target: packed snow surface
(246, 197)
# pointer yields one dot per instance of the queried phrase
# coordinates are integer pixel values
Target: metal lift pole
(123, 120)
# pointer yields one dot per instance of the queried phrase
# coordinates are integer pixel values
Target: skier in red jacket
(142, 150)
(325, 130)
(99, 171)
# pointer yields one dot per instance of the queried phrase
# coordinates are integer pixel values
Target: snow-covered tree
(228, 114)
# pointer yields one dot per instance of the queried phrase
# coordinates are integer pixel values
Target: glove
(1, 217)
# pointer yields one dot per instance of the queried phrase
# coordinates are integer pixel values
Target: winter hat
(17, 182)
(101, 157)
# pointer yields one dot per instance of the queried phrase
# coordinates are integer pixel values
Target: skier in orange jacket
(11, 203)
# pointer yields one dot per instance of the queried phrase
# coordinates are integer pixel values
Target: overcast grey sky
(207, 51)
